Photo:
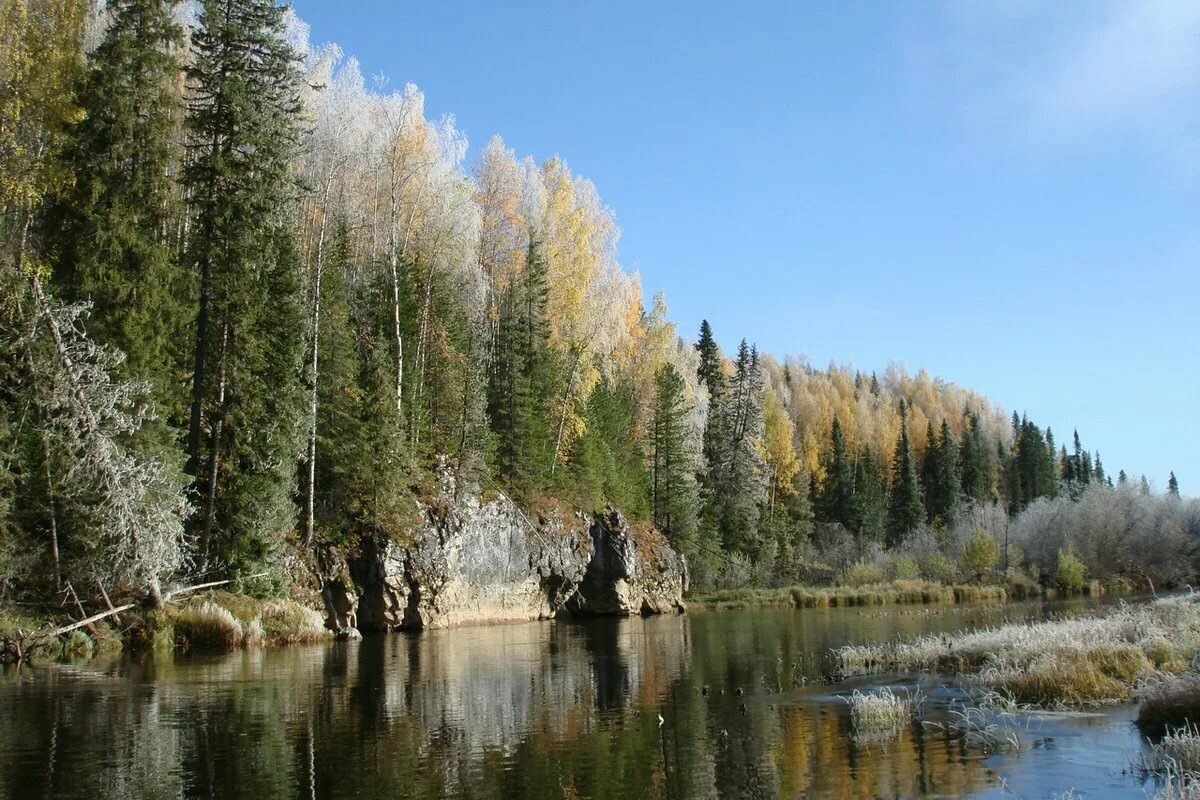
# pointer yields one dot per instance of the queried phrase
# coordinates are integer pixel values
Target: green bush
(1071, 573)
(863, 573)
(936, 567)
(979, 555)
(905, 568)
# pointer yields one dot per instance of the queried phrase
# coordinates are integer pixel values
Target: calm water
(545, 710)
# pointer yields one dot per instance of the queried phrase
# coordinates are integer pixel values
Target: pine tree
(1122, 478)
(673, 496)
(115, 227)
(1098, 470)
(906, 512)
(1173, 485)
(243, 436)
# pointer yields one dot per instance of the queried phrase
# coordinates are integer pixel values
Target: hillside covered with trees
(251, 303)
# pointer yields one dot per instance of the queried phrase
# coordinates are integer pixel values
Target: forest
(253, 303)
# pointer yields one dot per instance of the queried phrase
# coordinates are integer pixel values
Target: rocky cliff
(476, 560)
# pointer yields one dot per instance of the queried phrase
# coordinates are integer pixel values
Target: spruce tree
(1173, 485)
(709, 370)
(838, 502)
(1122, 478)
(974, 462)
(743, 470)
(944, 483)
(673, 500)
(906, 512)
(244, 432)
(870, 502)
(114, 229)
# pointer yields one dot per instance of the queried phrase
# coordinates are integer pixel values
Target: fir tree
(516, 398)
(838, 502)
(1173, 485)
(943, 490)
(743, 472)
(673, 499)
(243, 437)
(114, 229)
(870, 497)
(906, 512)
(974, 462)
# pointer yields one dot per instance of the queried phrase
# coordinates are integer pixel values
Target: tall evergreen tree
(518, 380)
(114, 229)
(1173, 485)
(673, 496)
(906, 512)
(838, 502)
(974, 462)
(742, 475)
(243, 437)
(870, 497)
(943, 490)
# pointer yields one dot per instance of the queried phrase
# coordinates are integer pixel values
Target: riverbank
(216, 621)
(1144, 651)
(898, 592)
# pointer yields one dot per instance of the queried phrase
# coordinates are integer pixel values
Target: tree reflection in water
(541, 710)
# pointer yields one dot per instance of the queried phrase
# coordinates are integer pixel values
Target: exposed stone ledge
(474, 561)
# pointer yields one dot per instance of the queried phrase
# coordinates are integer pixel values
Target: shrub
(1070, 574)
(980, 554)
(936, 567)
(863, 573)
(905, 568)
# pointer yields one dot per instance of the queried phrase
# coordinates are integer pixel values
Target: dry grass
(1070, 663)
(881, 715)
(897, 592)
(206, 626)
(1175, 759)
(1168, 703)
(224, 621)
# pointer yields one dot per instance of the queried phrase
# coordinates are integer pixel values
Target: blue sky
(1003, 193)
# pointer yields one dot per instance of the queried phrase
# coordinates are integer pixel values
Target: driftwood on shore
(19, 648)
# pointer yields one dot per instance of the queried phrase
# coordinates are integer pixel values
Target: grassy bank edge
(898, 592)
(216, 621)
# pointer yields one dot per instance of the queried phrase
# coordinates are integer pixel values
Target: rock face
(475, 561)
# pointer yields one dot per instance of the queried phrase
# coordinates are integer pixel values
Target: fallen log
(20, 648)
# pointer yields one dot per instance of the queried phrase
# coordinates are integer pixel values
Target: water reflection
(550, 710)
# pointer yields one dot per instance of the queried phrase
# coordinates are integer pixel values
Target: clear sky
(1004, 193)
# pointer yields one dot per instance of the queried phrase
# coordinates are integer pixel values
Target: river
(539, 710)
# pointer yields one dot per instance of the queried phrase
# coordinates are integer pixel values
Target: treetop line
(250, 304)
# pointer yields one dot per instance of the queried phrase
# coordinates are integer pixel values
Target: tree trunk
(214, 463)
(562, 420)
(310, 487)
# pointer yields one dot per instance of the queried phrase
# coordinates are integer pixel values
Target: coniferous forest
(253, 304)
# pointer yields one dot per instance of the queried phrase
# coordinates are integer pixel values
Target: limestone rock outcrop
(477, 560)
